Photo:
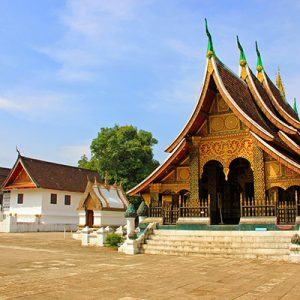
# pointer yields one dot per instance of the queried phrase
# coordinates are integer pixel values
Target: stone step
(240, 244)
(216, 250)
(210, 254)
(224, 233)
(238, 239)
(220, 244)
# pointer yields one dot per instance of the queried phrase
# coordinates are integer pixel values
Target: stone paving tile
(45, 266)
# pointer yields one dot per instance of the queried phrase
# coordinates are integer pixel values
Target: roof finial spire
(295, 106)
(210, 47)
(279, 83)
(19, 154)
(106, 178)
(259, 66)
(243, 60)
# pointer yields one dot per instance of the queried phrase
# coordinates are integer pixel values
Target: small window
(53, 199)
(67, 200)
(20, 198)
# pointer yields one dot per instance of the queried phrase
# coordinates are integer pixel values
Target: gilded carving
(284, 184)
(273, 169)
(222, 105)
(183, 173)
(259, 174)
(217, 124)
(224, 123)
(225, 150)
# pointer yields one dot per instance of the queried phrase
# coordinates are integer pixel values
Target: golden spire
(279, 83)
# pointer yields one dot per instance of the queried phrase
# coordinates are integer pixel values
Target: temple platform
(272, 245)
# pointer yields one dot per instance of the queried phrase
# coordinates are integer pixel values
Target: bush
(113, 240)
(295, 239)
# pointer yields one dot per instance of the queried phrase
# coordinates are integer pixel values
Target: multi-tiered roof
(254, 99)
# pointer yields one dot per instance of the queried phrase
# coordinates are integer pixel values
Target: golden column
(194, 169)
(259, 175)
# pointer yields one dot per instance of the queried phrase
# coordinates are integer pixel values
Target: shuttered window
(67, 200)
(20, 199)
(53, 199)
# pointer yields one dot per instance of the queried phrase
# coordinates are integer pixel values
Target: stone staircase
(241, 244)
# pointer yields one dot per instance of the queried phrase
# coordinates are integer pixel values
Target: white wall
(37, 202)
(60, 213)
(32, 202)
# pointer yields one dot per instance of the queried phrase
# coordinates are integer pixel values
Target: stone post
(101, 236)
(85, 236)
(130, 216)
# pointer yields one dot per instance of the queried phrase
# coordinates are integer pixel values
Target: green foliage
(113, 240)
(295, 239)
(124, 152)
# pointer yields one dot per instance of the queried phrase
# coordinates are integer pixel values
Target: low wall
(10, 224)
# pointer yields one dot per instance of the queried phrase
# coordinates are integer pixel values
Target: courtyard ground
(47, 266)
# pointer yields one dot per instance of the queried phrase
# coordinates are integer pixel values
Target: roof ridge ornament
(295, 106)
(243, 60)
(259, 66)
(18, 151)
(210, 47)
(279, 84)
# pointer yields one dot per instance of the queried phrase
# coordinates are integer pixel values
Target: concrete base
(295, 253)
(153, 220)
(258, 220)
(194, 221)
(129, 247)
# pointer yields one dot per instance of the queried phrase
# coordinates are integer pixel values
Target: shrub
(113, 240)
(295, 239)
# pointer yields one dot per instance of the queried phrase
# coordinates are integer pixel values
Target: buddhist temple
(236, 161)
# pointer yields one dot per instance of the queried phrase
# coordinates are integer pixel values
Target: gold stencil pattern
(226, 150)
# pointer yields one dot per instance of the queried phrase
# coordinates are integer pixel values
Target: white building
(44, 196)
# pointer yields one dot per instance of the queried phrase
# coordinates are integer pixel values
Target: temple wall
(278, 175)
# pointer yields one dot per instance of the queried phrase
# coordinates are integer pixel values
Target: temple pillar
(259, 175)
(194, 170)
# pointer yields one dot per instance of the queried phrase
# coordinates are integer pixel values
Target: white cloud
(33, 104)
(74, 152)
(93, 35)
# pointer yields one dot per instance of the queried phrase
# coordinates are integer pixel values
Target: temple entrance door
(212, 182)
(89, 218)
(225, 194)
(240, 182)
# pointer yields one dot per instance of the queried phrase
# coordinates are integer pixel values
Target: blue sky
(68, 68)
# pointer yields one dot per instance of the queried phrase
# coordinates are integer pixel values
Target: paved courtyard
(47, 266)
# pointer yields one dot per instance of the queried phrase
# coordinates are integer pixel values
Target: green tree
(124, 152)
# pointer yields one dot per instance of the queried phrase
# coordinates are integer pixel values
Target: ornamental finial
(279, 83)
(295, 106)
(259, 66)
(210, 47)
(243, 60)
(106, 178)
